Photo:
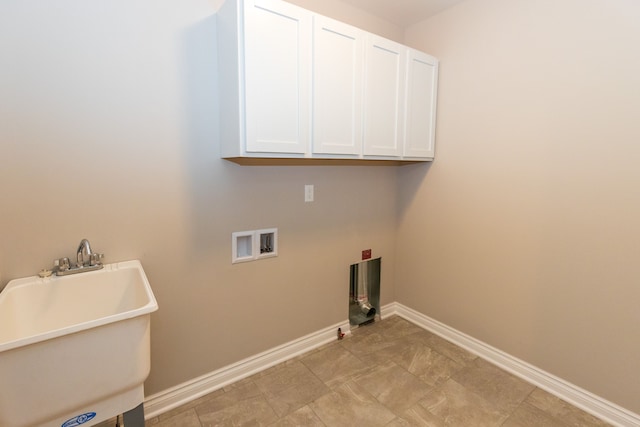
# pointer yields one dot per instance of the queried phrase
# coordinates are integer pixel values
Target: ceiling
(403, 12)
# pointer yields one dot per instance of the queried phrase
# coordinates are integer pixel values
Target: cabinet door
(337, 87)
(420, 114)
(277, 76)
(383, 97)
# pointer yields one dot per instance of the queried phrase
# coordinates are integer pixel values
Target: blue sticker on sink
(79, 420)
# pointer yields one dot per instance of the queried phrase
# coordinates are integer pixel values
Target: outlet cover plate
(308, 193)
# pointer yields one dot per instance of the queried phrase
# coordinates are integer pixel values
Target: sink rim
(13, 285)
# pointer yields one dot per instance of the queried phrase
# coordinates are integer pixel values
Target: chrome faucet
(86, 260)
(84, 253)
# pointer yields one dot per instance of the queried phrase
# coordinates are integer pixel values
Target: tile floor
(390, 373)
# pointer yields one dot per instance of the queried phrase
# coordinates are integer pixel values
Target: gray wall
(108, 131)
(525, 231)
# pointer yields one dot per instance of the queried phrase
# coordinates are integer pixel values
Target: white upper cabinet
(384, 97)
(295, 84)
(337, 87)
(265, 78)
(420, 96)
(277, 40)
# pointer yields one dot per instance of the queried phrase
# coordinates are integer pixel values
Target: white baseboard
(166, 400)
(186, 392)
(566, 391)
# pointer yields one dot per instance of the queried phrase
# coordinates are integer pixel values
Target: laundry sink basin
(74, 350)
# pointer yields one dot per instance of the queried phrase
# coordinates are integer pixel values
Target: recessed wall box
(253, 245)
(267, 240)
(242, 246)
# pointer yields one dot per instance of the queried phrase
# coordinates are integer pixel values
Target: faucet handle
(95, 259)
(62, 264)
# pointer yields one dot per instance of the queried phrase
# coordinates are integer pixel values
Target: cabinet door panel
(384, 92)
(337, 87)
(422, 80)
(277, 73)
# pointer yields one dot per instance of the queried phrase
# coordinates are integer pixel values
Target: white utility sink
(74, 350)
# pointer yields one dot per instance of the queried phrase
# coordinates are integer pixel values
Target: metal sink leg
(134, 417)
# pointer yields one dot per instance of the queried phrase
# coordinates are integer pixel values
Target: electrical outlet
(308, 193)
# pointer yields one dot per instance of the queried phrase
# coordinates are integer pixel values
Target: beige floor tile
(530, 416)
(393, 386)
(375, 344)
(290, 388)
(189, 405)
(188, 418)
(381, 354)
(296, 397)
(303, 417)
(417, 416)
(255, 411)
(370, 347)
(220, 401)
(281, 377)
(458, 406)
(334, 365)
(426, 363)
(505, 391)
(350, 405)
